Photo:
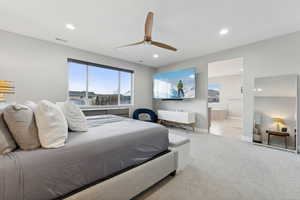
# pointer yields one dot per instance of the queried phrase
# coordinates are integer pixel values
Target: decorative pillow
(52, 125)
(144, 117)
(75, 117)
(21, 123)
(31, 105)
(7, 143)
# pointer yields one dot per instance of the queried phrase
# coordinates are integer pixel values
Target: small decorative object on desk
(6, 87)
(284, 129)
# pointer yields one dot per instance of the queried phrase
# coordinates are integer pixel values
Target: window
(94, 84)
(213, 93)
(125, 87)
(77, 83)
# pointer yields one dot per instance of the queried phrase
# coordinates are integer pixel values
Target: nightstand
(278, 133)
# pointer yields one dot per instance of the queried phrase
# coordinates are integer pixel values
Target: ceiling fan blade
(133, 44)
(162, 45)
(148, 26)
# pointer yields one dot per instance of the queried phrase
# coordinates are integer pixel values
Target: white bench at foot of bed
(181, 146)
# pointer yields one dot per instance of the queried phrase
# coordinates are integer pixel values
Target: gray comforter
(108, 147)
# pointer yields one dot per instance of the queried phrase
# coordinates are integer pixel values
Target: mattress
(108, 147)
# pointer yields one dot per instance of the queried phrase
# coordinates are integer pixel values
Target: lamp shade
(278, 120)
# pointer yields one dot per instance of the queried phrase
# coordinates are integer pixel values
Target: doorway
(225, 98)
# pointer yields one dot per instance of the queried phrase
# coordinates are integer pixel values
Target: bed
(113, 146)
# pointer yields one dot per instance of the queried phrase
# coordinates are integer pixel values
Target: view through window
(91, 84)
(213, 93)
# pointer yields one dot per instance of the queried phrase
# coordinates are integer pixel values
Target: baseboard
(234, 118)
(247, 138)
(197, 129)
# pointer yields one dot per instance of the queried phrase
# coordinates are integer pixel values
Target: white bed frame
(129, 184)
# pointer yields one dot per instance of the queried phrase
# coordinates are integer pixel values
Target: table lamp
(278, 122)
(6, 87)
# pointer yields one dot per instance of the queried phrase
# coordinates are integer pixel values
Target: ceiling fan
(148, 36)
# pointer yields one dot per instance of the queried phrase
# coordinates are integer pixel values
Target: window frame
(87, 64)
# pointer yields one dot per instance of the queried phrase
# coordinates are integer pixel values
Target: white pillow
(52, 125)
(75, 117)
(31, 105)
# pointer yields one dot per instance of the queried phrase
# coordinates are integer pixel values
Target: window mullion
(87, 84)
(119, 89)
(131, 88)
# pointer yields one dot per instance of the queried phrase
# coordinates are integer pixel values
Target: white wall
(40, 71)
(226, 67)
(230, 94)
(266, 58)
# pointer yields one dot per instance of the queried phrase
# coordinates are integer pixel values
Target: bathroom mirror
(275, 111)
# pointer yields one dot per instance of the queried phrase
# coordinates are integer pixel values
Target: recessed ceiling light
(155, 55)
(224, 31)
(70, 27)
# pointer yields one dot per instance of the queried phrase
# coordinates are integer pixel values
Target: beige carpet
(230, 128)
(227, 169)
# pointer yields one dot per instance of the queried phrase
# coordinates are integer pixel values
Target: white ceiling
(191, 26)
(226, 67)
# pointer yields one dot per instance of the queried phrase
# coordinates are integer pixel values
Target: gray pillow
(21, 123)
(7, 143)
